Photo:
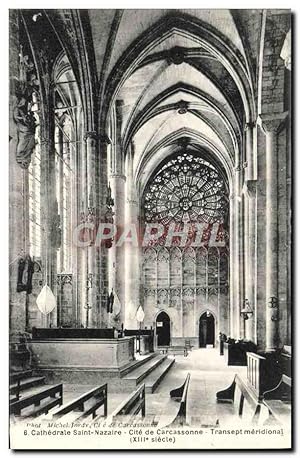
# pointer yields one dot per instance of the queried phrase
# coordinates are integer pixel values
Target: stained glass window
(187, 189)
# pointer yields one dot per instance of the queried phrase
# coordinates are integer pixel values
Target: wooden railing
(180, 395)
(96, 398)
(133, 404)
(256, 373)
(35, 401)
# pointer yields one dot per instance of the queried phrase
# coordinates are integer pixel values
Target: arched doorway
(206, 330)
(163, 329)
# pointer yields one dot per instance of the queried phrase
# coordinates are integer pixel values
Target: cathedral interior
(150, 206)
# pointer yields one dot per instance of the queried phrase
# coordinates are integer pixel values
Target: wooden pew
(180, 395)
(50, 395)
(235, 353)
(286, 360)
(171, 413)
(96, 398)
(283, 391)
(132, 405)
(175, 350)
(278, 401)
(237, 393)
(227, 395)
(15, 390)
(188, 345)
(22, 381)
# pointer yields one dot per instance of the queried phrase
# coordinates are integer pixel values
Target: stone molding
(249, 188)
(286, 52)
(92, 134)
(117, 175)
(272, 122)
(249, 125)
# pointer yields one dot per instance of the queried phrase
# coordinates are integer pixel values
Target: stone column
(106, 214)
(82, 252)
(117, 253)
(51, 235)
(249, 191)
(250, 256)
(117, 181)
(132, 275)
(247, 279)
(18, 224)
(249, 165)
(91, 306)
(232, 308)
(236, 256)
(270, 125)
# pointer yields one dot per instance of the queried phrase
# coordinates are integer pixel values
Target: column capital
(119, 102)
(132, 201)
(235, 197)
(118, 175)
(271, 122)
(90, 134)
(249, 188)
(104, 139)
(249, 125)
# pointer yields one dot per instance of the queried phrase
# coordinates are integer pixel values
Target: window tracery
(187, 189)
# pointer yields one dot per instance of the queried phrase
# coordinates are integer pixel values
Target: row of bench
(274, 405)
(19, 382)
(88, 404)
(177, 349)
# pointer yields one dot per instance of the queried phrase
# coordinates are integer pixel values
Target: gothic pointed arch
(207, 37)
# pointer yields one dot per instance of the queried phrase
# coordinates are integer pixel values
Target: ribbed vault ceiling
(179, 82)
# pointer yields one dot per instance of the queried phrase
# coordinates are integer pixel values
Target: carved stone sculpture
(25, 123)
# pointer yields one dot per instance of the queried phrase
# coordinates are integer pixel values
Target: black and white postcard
(150, 165)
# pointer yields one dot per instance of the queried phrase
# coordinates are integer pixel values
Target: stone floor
(209, 374)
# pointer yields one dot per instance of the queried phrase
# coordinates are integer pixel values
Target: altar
(80, 350)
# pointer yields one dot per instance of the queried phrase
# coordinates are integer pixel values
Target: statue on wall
(110, 302)
(109, 214)
(23, 116)
(56, 232)
(25, 273)
(25, 123)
